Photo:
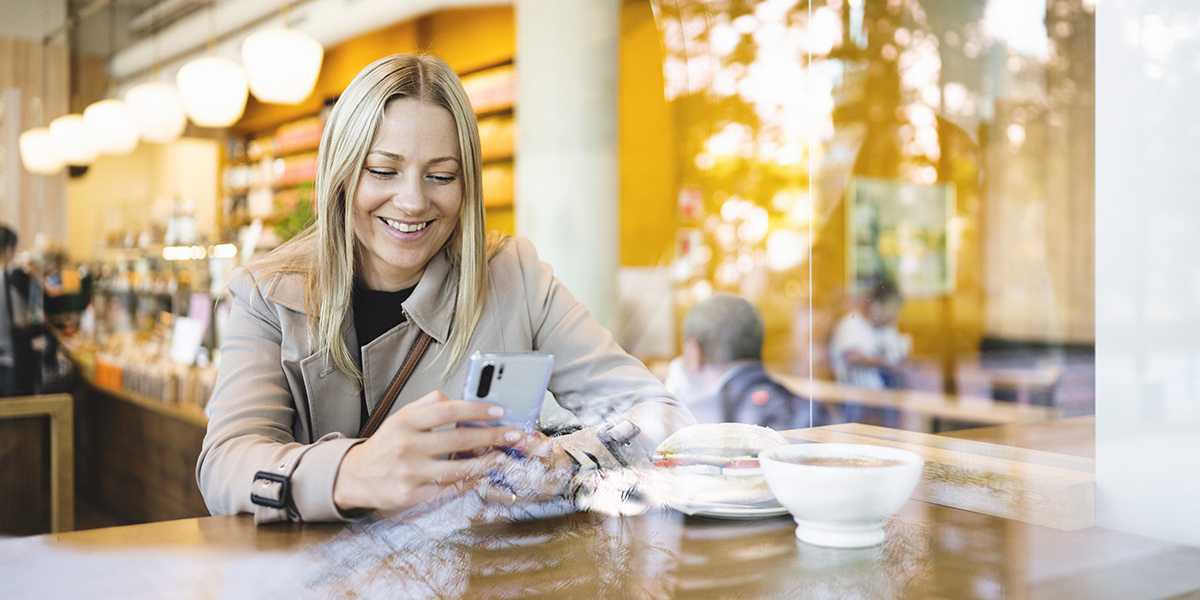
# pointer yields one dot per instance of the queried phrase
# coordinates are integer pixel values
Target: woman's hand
(534, 469)
(398, 467)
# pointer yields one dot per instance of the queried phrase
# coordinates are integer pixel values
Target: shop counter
(137, 456)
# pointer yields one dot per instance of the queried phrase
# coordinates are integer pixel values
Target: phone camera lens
(485, 381)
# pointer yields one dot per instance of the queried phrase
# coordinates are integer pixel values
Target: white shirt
(855, 333)
(697, 389)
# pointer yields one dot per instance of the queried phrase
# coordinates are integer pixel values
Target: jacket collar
(430, 307)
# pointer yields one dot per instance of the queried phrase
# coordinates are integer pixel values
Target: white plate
(724, 510)
(740, 512)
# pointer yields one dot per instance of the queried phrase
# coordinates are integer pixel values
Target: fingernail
(512, 436)
(496, 411)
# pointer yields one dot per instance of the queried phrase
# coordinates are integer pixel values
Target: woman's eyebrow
(386, 154)
(397, 157)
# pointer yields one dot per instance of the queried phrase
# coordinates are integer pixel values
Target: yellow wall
(646, 138)
(128, 192)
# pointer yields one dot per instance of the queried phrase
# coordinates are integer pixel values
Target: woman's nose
(408, 195)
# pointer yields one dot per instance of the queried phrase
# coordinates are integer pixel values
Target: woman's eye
(443, 178)
(380, 172)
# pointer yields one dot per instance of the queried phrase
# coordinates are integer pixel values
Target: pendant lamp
(282, 65)
(38, 152)
(73, 140)
(213, 91)
(109, 120)
(157, 111)
(112, 126)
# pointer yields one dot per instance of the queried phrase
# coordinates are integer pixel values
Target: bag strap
(393, 390)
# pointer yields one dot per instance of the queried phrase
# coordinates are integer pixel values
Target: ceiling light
(73, 140)
(282, 65)
(112, 126)
(213, 91)
(38, 153)
(157, 111)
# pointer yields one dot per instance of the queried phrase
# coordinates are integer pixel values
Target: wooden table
(928, 405)
(931, 552)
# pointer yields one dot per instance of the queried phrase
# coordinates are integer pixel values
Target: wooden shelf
(495, 112)
(498, 160)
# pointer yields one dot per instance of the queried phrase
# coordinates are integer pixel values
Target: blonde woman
(320, 326)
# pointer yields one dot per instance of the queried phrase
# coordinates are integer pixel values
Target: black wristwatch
(274, 490)
(620, 438)
(271, 489)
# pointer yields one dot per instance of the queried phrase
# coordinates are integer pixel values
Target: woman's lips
(404, 228)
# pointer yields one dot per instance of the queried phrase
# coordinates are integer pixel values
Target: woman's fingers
(464, 439)
(422, 415)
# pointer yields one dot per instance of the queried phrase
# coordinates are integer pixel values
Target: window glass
(904, 189)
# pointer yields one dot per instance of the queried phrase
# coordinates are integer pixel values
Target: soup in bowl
(841, 494)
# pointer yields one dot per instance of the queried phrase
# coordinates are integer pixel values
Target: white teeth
(405, 227)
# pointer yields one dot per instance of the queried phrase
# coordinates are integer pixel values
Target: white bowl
(841, 506)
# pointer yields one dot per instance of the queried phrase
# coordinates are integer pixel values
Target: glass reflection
(463, 550)
(833, 150)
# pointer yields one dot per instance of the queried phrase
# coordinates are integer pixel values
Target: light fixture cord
(156, 70)
(212, 28)
(112, 47)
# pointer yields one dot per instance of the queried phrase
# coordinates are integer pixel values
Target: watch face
(621, 431)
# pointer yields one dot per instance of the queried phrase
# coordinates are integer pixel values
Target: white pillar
(566, 166)
(1147, 276)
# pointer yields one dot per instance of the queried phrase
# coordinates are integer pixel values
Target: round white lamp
(157, 112)
(213, 91)
(112, 127)
(282, 64)
(38, 152)
(73, 139)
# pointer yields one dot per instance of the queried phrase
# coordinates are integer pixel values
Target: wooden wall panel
(25, 476)
(40, 73)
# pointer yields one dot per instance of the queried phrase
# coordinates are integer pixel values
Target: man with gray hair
(720, 376)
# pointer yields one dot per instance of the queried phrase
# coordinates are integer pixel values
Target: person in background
(399, 252)
(66, 293)
(17, 358)
(867, 350)
(720, 376)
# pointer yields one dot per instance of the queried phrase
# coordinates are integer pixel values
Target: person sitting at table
(867, 349)
(720, 376)
(319, 326)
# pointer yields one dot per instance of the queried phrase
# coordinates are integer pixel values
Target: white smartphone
(515, 381)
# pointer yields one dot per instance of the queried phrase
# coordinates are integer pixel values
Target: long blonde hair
(351, 128)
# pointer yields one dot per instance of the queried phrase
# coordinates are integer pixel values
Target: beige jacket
(277, 400)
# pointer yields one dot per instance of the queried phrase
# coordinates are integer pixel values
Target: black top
(375, 313)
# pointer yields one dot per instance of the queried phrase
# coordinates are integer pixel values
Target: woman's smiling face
(409, 194)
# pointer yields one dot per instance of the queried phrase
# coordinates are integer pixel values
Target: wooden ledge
(1042, 488)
